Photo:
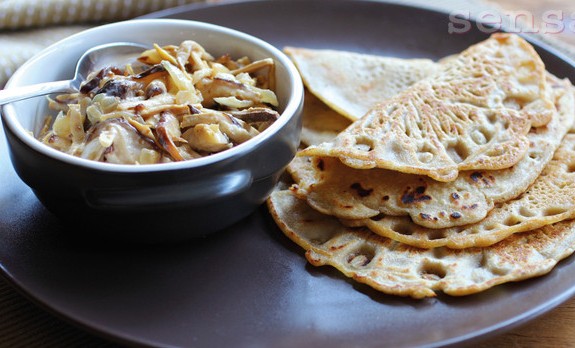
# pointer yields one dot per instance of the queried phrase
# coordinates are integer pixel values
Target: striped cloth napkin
(28, 26)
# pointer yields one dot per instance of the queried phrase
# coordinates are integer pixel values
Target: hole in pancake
(458, 151)
(490, 227)
(474, 229)
(425, 153)
(512, 220)
(318, 234)
(363, 143)
(514, 103)
(439, 252)
(361, 257)
(487, 133)
(484, 264)
(458, 229)
(432, 270)
(481, 136)
(526, 212)
(498, 271)
(377, 217)
(402, 228)
(424, 157)
(534, 155)
(492, 117)
(436, 234)
(554, 211)
(319, 163)
(571, 168)
(360, 190)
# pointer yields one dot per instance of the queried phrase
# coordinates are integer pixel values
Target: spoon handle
(19, 93)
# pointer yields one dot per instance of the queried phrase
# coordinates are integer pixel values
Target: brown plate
(249, 285)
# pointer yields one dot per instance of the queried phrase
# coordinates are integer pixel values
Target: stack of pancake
(421, 177)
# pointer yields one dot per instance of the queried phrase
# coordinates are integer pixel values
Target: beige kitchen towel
(28, 26)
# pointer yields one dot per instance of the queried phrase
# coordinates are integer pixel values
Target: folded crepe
(334, 188)
(398, 269)
(351, 83)
(342, 86)
(550, 199)
(473, 114)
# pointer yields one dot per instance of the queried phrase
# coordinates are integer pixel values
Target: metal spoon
(116, 53)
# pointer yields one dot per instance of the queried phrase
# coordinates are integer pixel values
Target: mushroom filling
(174, 103)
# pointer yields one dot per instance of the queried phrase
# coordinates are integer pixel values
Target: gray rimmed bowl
(156, 202)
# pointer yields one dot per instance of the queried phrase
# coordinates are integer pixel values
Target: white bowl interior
(58, 62)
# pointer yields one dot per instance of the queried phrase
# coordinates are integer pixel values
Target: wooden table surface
(557, 327)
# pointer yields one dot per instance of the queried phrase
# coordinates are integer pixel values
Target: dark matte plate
(249, 285)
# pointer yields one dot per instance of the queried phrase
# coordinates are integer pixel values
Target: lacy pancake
(334, 188)
(342, 86)
(395, 268)
(550, 199)
(474, 114)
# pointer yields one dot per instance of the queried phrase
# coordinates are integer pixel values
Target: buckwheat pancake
(351, 83)
(334, 188)
(395, 268)
(320, 123)
(474, 114)
(550, 199)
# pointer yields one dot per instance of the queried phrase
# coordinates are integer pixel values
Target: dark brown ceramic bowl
(156, 202)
